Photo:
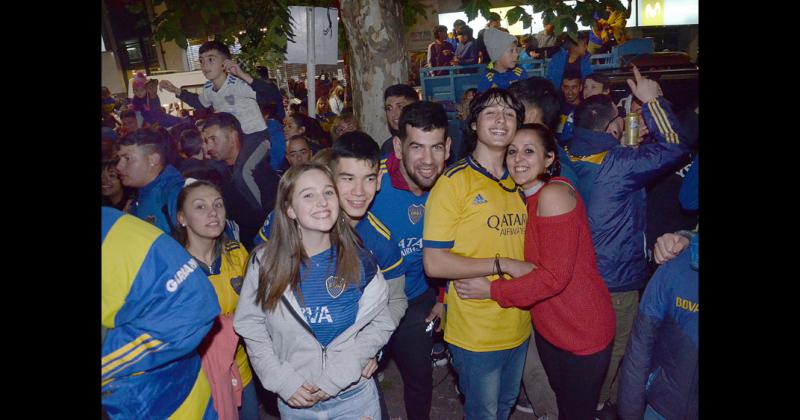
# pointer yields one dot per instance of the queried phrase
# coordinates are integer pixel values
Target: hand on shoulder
(556, 198)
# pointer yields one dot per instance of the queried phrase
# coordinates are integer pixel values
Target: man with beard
(421, 147)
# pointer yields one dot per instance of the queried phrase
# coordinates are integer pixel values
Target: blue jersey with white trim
(377, 238)
(157, 306)
(328, 302)
(403, 212)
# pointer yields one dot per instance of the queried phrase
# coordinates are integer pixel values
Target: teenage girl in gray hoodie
(313, 308)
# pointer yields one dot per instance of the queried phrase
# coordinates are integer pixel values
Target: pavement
(446, 404)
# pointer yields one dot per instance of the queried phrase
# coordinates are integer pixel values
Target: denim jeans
(489, 380)
(352, 404)
(249, 408)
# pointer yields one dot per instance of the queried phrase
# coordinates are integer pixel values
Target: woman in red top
(569, 302)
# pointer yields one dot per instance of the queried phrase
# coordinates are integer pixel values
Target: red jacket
(571, 306)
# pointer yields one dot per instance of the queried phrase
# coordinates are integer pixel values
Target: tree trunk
(375, 34)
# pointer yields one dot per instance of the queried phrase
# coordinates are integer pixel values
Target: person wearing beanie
(503, 70)
(494, 22)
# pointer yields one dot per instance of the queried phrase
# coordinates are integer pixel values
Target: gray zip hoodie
(284, 352)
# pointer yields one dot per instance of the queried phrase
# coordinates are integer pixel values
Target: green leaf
(526, 20)
(513, 15)
(483, 7)
(470, 9)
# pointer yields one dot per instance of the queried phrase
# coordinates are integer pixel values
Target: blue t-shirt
(329, 304)
(403, 212)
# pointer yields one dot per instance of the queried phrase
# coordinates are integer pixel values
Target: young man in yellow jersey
(475, 226)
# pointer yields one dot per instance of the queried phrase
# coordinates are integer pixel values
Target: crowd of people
(249, 245)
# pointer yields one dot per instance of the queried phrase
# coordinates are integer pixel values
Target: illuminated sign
(652, 12)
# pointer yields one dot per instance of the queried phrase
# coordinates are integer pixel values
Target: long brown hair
(280, 265)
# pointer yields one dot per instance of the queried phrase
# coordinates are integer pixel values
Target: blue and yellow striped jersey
(157, 306)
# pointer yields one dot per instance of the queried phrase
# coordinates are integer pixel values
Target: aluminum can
(631, 135)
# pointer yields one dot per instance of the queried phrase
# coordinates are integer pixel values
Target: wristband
(497, 269)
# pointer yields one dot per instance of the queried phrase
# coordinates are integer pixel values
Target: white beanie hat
(497, 42)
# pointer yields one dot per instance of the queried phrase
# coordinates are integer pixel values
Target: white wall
(111, 75)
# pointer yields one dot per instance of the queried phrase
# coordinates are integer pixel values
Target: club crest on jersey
(229, 99)
(415, 213)
(334, 286)
(236, 283)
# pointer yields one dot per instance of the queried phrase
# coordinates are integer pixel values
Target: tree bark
(375, 35)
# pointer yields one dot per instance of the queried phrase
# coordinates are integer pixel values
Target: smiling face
(572, 90)
(203, 213)
(496, 124)
(110, 184)
(314, 204)
(357, 182)
(527, 159)
(393, 106)
(423, 154)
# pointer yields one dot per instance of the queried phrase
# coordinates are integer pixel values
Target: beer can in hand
(631, 136)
